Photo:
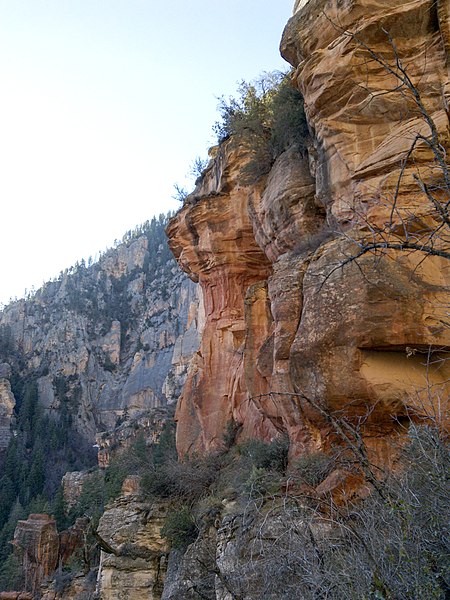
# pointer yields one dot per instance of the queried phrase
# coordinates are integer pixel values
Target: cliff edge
(326, 282)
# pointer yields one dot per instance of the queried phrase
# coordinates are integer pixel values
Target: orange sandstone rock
(213, 240)
(36, 541)
(362, 124)
(290, 331)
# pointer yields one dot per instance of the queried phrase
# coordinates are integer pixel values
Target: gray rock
(114, 332)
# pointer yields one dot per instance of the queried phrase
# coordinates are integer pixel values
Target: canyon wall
(104, 341)
(7, 404)
(286, 320)
(297, 323)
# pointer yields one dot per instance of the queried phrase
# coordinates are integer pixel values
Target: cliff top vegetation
(267, 116)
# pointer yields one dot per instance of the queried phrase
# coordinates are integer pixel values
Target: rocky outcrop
(72, 484)
(36, 542)
(362, 126)
(249, 553)
(213, 240)
(116, 336)
(362, 342)
(72, 539)
(149, 424)
(7, 404)
(135, 564)
(295, 327)
(192, 573)
(70, 586)
(42, 554)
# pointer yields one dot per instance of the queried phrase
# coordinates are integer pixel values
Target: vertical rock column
(7, 404)
(212, 239)
(36, 541)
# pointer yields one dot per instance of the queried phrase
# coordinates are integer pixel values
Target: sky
(104, 106)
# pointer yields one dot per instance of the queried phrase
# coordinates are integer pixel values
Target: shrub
(314, 468)
(156, 482)
(180, 528)
(272, 456)
(187, 480)
(229, 437)
(267, 117)
(180, 193)
(197, 168)
(260, 483)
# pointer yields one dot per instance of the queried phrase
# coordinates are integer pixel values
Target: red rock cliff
(282, 322)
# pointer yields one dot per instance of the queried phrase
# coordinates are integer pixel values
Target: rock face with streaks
(106, 339)
(7, 404)
(362, 127)
(289, 333)
(284, 320)
(362, 341)
(213, 239)
(137, 567)
(41, 549)
(36, 542)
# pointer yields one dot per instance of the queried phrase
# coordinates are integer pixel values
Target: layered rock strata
(213, 240)
(36, 542)
(295, 326)
(41, 550)
(366, 334)
(136, 564)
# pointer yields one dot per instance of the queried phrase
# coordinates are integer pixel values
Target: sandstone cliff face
(36, 542)
(7, 404)
(361, 126)
(137, 568)
(112, 337)
(283, 321)
(41, 550)
(213, 240)
(364, 336)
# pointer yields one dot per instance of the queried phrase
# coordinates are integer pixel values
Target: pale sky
(104, 106)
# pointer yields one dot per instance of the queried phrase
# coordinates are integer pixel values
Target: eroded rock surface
(293, 327)
(7, 404)
(362, 126)
(111, 338)
(36, 542)
(137, 568)
(213, 240)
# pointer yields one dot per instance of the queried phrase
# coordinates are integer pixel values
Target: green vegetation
(271, 457)
(267, 117)
(7, 346)
(104, 298)
(378, 547)
(40, 452)
(46, 443)
(11, 574)
(390, 545)
(180, 528)
(312, 469)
